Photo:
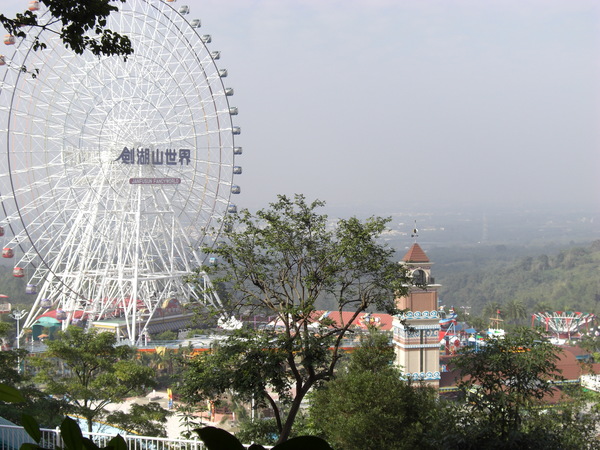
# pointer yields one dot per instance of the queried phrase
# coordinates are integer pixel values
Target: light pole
(18, 315)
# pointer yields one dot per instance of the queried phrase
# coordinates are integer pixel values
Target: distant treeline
(478, 279)
(566, 280)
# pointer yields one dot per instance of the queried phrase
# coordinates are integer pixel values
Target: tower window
(419, 278)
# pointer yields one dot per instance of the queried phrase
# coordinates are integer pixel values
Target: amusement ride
(115, 174)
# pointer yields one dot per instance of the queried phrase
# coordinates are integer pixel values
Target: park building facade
(416, 329)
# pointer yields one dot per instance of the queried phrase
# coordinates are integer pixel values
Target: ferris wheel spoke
(116, 172)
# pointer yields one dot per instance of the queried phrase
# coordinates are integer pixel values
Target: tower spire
(415, 232)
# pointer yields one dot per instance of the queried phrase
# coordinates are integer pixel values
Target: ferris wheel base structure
(116, 173)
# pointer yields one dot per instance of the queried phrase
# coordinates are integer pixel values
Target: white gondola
(236, 130)
(222, 73)
(228, 92)
(212, 260)
(237, 150)
(2, 60)
(184, 10)
(235, 189)
(237, 170)
(232, 209)
(206, 38)
(46, 303)
(31, 289)
(195, 23)
(233, 111)
(215, 55)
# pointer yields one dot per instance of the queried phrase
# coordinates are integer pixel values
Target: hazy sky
(381, 106)
(414, 104)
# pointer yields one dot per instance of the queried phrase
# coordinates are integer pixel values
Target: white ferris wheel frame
(116, 173)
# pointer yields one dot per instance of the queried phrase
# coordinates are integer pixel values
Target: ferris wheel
(115, 174)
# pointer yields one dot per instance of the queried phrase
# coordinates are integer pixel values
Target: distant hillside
(551, 279)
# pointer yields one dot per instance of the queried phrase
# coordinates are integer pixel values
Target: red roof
(570, 368)
(381, 321)
(415, 254)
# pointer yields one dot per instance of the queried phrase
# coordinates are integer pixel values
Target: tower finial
(415, 232)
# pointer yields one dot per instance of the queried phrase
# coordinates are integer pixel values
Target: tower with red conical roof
(416, 329)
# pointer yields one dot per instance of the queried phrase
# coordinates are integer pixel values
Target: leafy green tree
(89, 371)
(250, 366)
(515, 311)
(145, 420)
(263, 431)
(479, 323)
(591, 344)
(82, 26)
(370, 406)
(166, 336)
(44, 409)
(281, 262)
(504, 378)
(71, 433)
(504, 384)
(490, 312)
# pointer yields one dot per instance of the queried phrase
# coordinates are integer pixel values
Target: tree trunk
(291, 417)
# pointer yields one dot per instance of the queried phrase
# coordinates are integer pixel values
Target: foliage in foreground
(280, 262)
(369, 406)
(99, 372)
(45, 409)
(70, 432)
(506, 387)
(218, 439)
(145, 420)
(82, 26)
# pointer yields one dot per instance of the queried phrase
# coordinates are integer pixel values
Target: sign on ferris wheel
(115, 173)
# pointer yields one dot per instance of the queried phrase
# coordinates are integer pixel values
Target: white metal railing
(12, 436)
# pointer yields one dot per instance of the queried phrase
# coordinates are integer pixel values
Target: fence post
(57, 438)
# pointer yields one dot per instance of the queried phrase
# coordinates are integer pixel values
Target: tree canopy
(81, 26)
(89, 371)
(370, 406)
(45, 409)
(280, 262)
(506, 376)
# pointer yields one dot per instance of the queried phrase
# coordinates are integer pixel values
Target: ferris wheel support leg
(211, 297)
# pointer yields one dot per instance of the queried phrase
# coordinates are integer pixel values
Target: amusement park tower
(416, 330)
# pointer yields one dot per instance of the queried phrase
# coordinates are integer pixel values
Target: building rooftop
(415, 254)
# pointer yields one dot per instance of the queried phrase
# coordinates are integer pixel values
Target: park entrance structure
(115, 174)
